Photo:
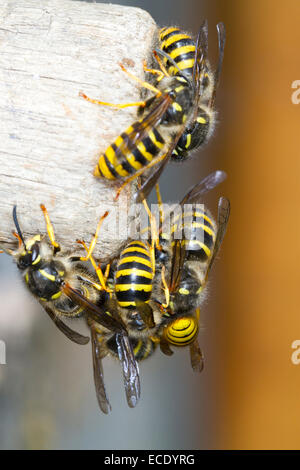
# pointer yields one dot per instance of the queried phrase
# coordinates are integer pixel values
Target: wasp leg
(160, 73)
(112, 105)
(97, 268)
(94, 239)
(141, 82)
(165, 287)
(139, 173)
(161, 65)
(160, 205)
(50, 230)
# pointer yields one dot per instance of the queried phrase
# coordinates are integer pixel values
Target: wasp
(194, 242)
(183, 260)
(149, 143)
(66, 289)
(179, 58)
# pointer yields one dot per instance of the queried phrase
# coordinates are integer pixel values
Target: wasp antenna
(16, 222)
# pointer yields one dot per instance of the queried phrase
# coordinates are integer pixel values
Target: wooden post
(50, 137)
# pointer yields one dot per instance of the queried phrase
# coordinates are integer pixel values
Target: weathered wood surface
(50, 137)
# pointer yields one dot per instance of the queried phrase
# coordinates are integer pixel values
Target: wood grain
(50, 138)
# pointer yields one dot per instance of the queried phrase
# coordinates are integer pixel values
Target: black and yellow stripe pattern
(119, 162)
(182, 331)
(134, 275)
(180, 47)
(197, 232)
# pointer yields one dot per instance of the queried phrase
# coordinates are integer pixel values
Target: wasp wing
(154, 176)
(196, 356)
(204, 186)
(98, 355)
(192, 196)
(94, 311)
(146, 313)
(130, 369)
(200, 59)
(141, 128)
(66, 330)
(223, 217)
(165, 347)
(221, 40)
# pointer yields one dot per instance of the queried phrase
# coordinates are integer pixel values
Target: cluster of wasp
(150, 294)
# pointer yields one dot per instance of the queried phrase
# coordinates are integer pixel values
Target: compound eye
(24, 261)
(35, 251)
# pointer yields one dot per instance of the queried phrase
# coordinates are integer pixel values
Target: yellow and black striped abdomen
(180, 47)
(197, 232)
(182, 331)
(118, 161)
(142, 348)
(134, 275)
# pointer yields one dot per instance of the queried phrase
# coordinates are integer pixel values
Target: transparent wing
(196, 356)
(98, 355)
(140, 128)
(94, 311)
(221, 39)
(223, 217)
(67, 331)
(154, 176)
(130, 369)
(204, 186)
(193, 196)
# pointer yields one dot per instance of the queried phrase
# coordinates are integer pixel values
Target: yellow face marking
(31, 242)
(47, 275)
(26, 278)
(177, 106)
(184, 118)
(181, 79)
(179, 89)
(183, 291)
(37, 260)
(188, 141)
(201, 120)
(61, 273)
(55, 296)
